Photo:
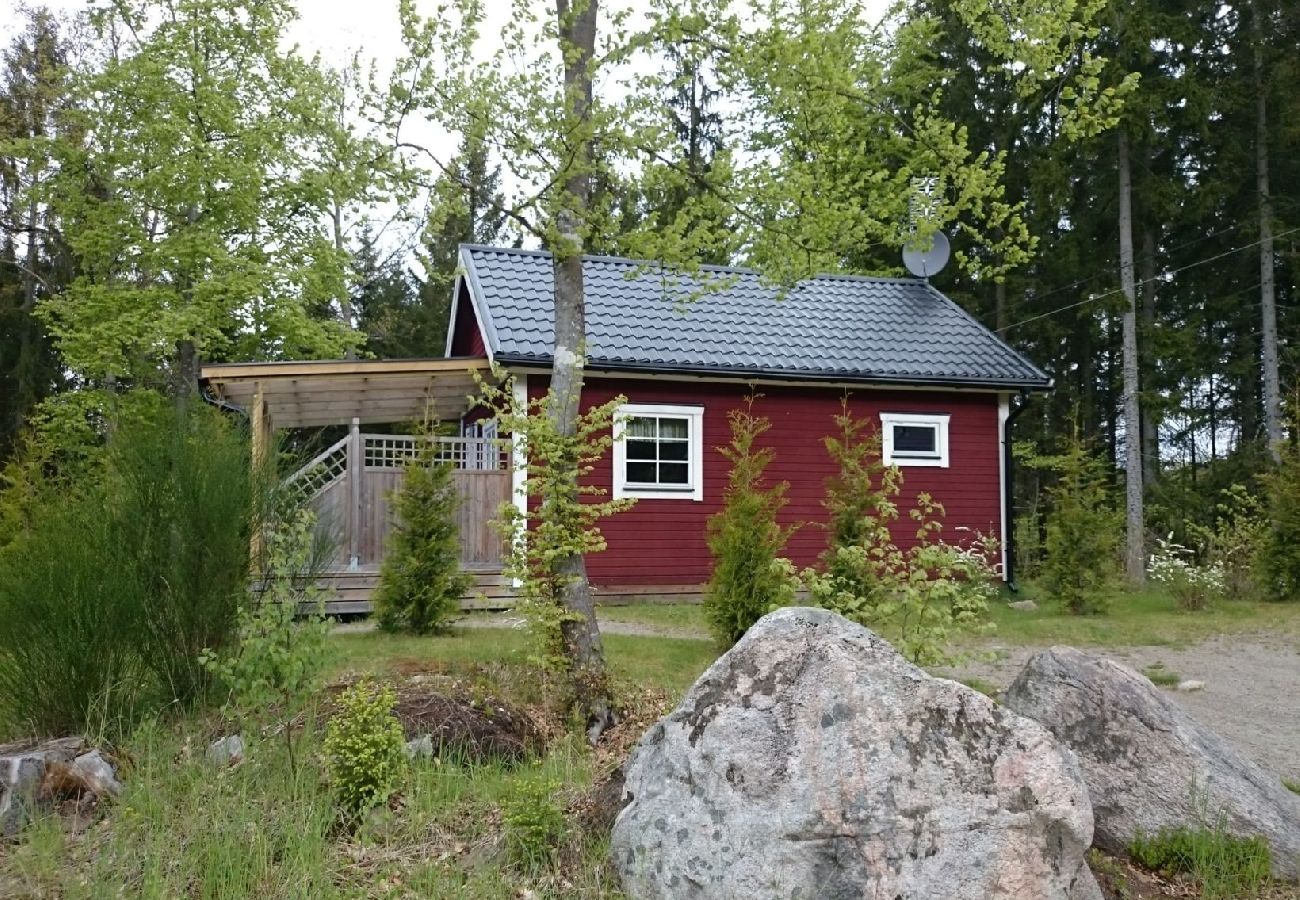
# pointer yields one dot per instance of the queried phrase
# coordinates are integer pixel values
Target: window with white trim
(658, 451)
(914, 439)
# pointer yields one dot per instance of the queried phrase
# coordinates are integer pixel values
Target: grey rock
(420, 747)
(22, 769)
(1191, 685)
(227, 750)
(1148, 764)
(812, 761)
(96, 774)
(1024, 605)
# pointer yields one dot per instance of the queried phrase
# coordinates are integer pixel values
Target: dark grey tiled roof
(830, 327)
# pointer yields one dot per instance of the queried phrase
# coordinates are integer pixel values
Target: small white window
(915, 439)
(658, 451)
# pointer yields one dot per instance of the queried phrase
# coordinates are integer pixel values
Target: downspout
(209, 397)
(1009, 506)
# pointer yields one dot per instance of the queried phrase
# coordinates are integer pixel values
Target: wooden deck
(352, 591)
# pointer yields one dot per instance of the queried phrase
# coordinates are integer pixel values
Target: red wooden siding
(662, 541)
(467, 339)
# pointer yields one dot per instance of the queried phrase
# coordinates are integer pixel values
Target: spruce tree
(420, 583)
(749, 575)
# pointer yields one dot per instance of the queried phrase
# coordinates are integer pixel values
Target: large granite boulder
(812, 761)
(1147, 763)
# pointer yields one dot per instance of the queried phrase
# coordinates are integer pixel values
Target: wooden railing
(350, 482)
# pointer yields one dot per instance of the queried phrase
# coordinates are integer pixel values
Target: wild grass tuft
(1157, 674)
(1221, 864)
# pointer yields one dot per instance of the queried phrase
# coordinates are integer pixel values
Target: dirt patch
(1248, 692)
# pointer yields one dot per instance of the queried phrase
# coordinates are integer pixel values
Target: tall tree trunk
(1150, 423)
(1135, 540)
(1267, 300)
(345, 301)
(581, 634)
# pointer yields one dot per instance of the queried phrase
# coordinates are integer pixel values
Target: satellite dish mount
(925, 257)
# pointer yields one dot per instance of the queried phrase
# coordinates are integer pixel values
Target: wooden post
(356, 470)
(261, 427)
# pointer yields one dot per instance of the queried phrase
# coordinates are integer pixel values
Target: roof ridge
(706, 267)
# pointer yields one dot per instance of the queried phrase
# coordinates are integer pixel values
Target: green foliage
(1082, 534)
(1291, 785)
(122, 577)
(565, 522)
(363, 750)
(861, 499)
(534, 821)
(1157, 674)
(749, 577)
(1235, 542)
(1280, 559)
(923, 595)
(1223, 865)
(277, 663)
(420, 584)
(196, 188)
(1194, 586)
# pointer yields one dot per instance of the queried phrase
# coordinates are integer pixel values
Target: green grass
(671, 615)
(1137, 618)
(1157, 674)
(669, 663)
(1291, 785)
(1221, 864)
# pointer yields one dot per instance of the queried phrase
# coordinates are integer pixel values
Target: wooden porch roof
(334, 392)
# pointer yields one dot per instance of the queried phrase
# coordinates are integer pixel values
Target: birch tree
(198, 203)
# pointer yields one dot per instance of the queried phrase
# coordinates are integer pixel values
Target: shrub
(124, 575)
(922, 595)
(69, 651)
(1082, 539)
(1236, 542)
(363, 749)
(534, 822)
(1223, 865)
(1193, 586)
(750, 578)
(861, 501)
(1280, 559)
(566, 523)
(420, 584)
(282, 630)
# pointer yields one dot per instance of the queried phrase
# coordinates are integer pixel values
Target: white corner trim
(518, 461)
(1004, 412)
(695, 418)
(937, 421)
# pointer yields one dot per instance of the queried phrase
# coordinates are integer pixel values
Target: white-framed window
(659, 451)
(915, 439)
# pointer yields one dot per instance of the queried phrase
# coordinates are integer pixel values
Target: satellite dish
(924, 258)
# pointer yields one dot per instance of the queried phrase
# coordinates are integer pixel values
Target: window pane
(672, 450)
(641, 449)
(674, 428)
(641, 472)
(674, 473)
(915, 438)
(641, 426)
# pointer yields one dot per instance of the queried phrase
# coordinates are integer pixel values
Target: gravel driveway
(1251, 695)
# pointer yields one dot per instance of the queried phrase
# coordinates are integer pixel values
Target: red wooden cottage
(683, 352)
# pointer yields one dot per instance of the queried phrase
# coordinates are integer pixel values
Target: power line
(1140, 256)
(1161, 277)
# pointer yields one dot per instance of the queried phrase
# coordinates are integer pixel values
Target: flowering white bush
(1193, 586)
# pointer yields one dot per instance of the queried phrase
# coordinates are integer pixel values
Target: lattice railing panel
(326, 468)
(392, 451)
